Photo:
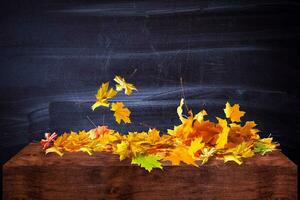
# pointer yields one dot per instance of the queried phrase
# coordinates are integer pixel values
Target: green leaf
(261, 148)
(147, 161)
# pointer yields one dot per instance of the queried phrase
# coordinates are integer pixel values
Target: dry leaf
(122, 84)
(103, 95)
(121, 113)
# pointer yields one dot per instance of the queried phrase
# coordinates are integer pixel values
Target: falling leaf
(180, 111)
(233, 113)
(223, 136)
(121, 113)
(147, 161)
(122, 84)
(103, 95)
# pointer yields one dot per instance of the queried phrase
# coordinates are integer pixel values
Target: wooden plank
(32, 175)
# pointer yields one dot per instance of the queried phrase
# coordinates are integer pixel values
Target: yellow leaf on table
(54, 150)
(231, 157)
(206, 154)
(233, 112)
(121, 113)
(153, 136)
(180, 154)
(86, 150)
(122, 84)
(223, 136)
(103, 95)
(123, 150)
(196, 145)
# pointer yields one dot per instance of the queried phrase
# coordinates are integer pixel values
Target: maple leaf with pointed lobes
(123, 150)
(180, 154)
(122, 84)
(153, 136)
(103, 95)
(233, 112)
(121, 113)
(196, 146)
(147, 161)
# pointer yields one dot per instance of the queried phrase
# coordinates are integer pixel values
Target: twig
(182, 93)
(134, 71)
(91, 121)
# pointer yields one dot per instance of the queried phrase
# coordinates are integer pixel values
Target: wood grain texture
(32, 175)
(240, 51)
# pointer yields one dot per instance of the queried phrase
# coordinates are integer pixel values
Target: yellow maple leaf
(206, 154)
(54, 150)
(233, 112)
(121, 113)
(180, 154)
(200, 116)
(196, 145)
(153, 136)
(236, 154)
(123, 150)
(122, 84)
(103, 95)
(223, 136)
(232, 157)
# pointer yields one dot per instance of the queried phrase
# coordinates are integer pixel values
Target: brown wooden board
(33, 175)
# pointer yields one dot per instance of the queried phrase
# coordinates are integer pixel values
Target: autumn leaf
(231, 157)
(264, 146)
(180, 154)
(100, 130)
(196, 146)
(206, 154)
(223, 136)
(235, 154)
(153, 136)
(180, 111)
(103, 95)
(200, 116)
(233, 112)
(123, 150)
(121, 113)
(54, 150)
(147, 161)
(122, 84)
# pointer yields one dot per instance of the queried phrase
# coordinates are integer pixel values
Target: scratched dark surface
(55, 54)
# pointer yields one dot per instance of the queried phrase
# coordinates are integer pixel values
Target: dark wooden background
(55, 54)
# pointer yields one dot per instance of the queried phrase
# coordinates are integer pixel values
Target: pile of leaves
(194, 141)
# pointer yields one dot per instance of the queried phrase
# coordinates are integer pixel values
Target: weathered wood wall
(54, 55)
